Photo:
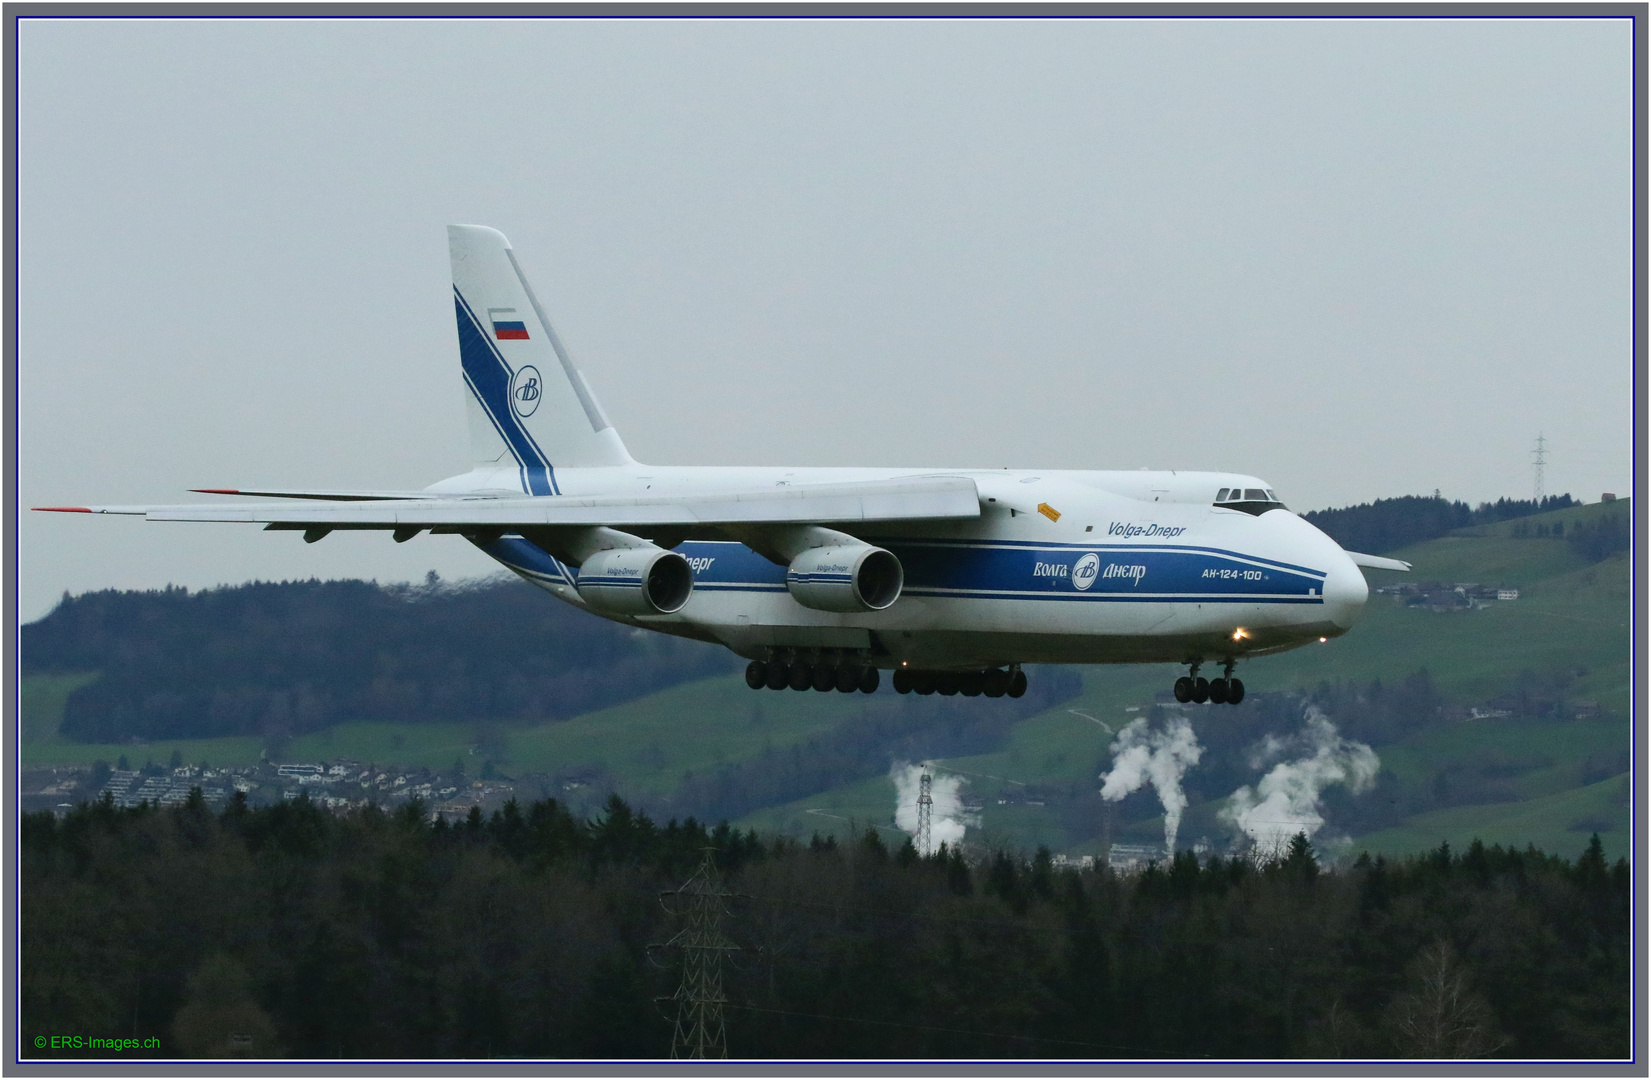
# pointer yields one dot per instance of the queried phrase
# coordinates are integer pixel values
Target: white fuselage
(1062, 566)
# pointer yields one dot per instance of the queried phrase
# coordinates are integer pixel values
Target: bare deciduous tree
(1441, 1016)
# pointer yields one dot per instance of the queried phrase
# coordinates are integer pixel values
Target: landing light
(1322, 640)
(1240, 634)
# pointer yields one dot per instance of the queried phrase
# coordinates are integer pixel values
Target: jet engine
(635, 581)
(845, 577)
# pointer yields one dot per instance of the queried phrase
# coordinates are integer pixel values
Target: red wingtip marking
(215, 491)
(66, 509)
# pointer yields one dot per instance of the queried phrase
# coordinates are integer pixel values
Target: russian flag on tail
(506, 327)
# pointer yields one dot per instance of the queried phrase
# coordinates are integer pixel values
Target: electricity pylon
(925, 817)
(1541, 455)
(699, 999)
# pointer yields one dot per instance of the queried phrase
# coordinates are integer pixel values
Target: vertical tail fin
(528, 405)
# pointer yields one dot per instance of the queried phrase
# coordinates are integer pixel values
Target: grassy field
(841, 812)
(1541, 758)
(1559, 824)
(1569, 615)
(647, 745)
(42, 704)
(222, 752)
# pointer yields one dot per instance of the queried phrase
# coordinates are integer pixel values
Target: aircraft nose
(1345, 592)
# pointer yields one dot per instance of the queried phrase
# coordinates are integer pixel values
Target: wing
(1376, 562)
(908, 499)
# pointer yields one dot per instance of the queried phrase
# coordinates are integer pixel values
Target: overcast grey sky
(1357, 258)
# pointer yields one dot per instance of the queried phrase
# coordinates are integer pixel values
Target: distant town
(340, 786)
(1443, 596)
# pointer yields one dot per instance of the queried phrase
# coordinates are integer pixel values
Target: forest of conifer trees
(287, 931)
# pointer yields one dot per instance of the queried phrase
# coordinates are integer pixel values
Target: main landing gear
(1223, 691)
(844, 676)
(993, 682)
(849, 672)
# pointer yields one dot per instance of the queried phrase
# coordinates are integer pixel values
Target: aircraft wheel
(996, 683)
(971, 683)
(1218, 691)
(869, 680)
(824, 678)
(848, 680)
(923, 682)
(1183, 689)
(1235, 691)
(902, 680)
(1017, 684)
(756, 674)
(945, 683)
(1201, 690)
(779, 675)
(802, 676)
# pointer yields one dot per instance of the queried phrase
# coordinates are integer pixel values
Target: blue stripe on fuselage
(1102, 549)
(992, 570)
(1118, 573)
(988, 571)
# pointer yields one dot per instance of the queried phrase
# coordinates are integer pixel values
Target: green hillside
(1550, 776)
(1560, 823)
(42, 705)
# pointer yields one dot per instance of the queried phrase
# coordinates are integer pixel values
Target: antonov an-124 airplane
(949, 579)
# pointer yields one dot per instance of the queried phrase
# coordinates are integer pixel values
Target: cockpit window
(1250, 500)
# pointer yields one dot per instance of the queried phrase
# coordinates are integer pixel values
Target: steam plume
(1159, 758)
(1286, 801)
(947, 821)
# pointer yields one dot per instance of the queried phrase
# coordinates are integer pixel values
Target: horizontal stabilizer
(914, 498)
(1376, 562)
(334, 496)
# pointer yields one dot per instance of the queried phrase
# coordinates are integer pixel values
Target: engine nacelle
(635, 581)
(846, 577)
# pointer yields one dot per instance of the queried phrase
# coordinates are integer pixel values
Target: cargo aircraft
(948, 579)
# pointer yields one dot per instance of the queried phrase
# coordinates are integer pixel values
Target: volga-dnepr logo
(1087, 570)
(525, 391)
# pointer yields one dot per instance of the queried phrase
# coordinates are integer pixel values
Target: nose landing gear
(1223, 691)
